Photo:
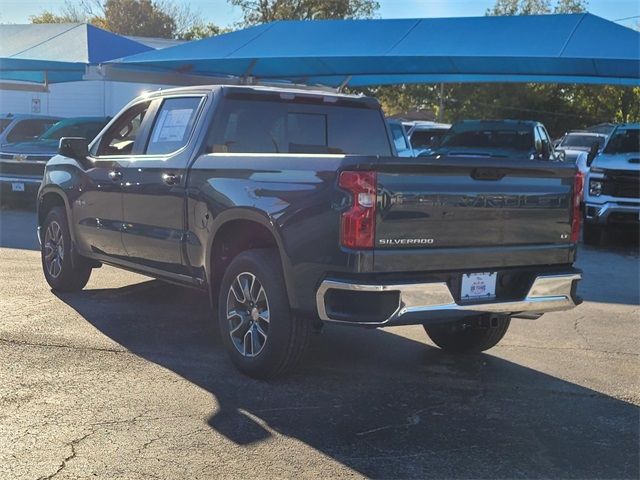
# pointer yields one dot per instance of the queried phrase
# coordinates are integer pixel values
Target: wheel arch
(238, 230)
(48, 198)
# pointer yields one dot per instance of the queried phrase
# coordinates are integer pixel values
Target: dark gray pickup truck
(290, 209)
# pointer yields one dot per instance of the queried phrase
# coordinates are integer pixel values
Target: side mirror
(593, 152)
(74, 147)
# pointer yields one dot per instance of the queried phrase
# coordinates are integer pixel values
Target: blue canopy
(578, 48)
(58, 52)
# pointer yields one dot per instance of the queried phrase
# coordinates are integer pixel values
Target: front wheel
(260, 334)
(62, 273)
(475, 336)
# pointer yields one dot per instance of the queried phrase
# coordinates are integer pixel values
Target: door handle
(115, 175)
(171, 178)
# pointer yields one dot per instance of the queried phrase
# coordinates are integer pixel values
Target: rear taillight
(358, 224)
(576, 214)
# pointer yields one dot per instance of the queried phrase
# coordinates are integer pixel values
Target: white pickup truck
(612, 188)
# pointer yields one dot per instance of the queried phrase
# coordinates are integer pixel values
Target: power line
(626, 18)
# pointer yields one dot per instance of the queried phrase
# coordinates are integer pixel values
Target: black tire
(465, 338)
(67, 275)
(591, 234)
(286, 336)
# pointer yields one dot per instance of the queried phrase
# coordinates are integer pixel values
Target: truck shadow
(381, 404)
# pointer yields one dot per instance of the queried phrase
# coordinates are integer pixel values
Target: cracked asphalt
(128, 380)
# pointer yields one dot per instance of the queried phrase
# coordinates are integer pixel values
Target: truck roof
(497, 122)
(263, 89)
(628, 126)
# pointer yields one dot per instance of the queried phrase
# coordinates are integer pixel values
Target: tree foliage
(145, 18)
(262, 11)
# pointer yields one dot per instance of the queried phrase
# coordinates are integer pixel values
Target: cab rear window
(263, 126)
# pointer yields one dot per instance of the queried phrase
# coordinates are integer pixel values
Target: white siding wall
(75, 99)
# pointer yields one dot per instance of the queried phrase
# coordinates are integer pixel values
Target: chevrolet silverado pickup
(290, 209)
(612, 187)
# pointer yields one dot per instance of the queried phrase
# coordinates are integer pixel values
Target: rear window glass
(263, 126)
(520, 139)
(584, 141)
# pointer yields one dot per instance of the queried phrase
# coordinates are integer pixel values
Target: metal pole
(441, 108)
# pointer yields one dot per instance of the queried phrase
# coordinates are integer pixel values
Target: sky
(220, 13)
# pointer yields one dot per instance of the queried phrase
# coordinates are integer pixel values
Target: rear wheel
(260, 334)
(478, 334)
(62, 273)
(591, 234)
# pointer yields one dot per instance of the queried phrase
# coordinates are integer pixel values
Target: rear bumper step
(420, 302)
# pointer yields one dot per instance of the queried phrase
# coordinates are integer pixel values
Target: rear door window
(173, 125)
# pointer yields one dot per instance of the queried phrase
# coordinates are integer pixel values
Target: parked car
(612, 189)
(288, 208)
(22, 164)
(425, 135)
(20, 128)
(496, 139)
(400, 139)
(576, 145)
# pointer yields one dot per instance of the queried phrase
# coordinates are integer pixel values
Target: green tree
(151, 18)
(262, 11)
(571, 6)
(204, 30)
(137, 17)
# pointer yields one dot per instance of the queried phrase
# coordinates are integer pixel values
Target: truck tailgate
(459, 203)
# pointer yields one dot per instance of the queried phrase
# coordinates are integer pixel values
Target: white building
(93, 95)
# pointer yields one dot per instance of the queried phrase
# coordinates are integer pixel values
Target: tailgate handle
(487, 174)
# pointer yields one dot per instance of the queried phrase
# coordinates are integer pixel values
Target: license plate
(478, 286)
(17, 187)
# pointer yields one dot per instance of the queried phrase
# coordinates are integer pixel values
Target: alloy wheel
(248, 314)
(53, 249)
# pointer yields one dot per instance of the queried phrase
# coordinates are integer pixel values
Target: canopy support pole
(441, 107)
(344, 84)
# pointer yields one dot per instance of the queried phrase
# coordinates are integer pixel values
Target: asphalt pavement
(128, 380)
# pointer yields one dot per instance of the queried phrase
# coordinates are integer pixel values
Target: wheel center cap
(254, 314)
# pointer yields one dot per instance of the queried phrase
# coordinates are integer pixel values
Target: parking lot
(128, 379)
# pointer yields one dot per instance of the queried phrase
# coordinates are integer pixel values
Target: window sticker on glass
(172, 125)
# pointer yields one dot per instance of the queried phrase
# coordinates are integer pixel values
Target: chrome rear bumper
(548, 293)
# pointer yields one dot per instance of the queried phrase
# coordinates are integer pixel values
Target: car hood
(40, 147)
(618, 161)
